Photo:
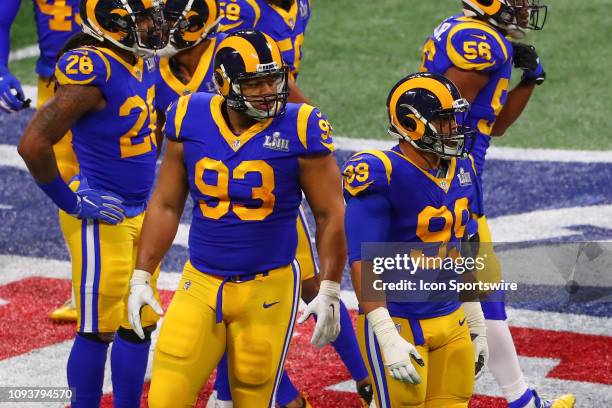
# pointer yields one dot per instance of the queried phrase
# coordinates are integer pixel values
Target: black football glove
(526, 58)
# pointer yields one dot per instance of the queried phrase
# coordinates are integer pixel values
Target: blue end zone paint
(31, 227)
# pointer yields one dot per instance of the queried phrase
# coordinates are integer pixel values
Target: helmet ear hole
(222, 84)
(486, 3)
(410, 124)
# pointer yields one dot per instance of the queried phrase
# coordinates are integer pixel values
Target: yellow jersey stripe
(181, 111)
(302, 123)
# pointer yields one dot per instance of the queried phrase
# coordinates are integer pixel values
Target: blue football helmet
(247, 56)
(427, 110)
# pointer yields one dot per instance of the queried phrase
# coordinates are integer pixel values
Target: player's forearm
(513, 108)
(368, 302)
(331, 244)
(37, 153)
(8, 12)
(158, 232)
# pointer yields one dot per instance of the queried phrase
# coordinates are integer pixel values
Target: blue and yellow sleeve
(367, 172)
(239, 15)
(314, 131)
(83, 66)
(175, 117)
(476, 47)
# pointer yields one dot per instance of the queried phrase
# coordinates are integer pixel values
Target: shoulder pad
(239, 15)
(367, 172)
(314, 131)
(83, 66)
(476, 46)
(175, 115)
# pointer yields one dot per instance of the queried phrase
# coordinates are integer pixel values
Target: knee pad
(252, 360)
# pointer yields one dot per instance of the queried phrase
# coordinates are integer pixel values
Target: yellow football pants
(257, 326)
(64, 154)
(103, 259)
(305, 252)
(447, 379)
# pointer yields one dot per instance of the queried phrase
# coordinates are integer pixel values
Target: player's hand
(526, 58)
(141, 294)
(397, 352)
(99, 205)
(326, 307)
(12, 98)
(478, 332)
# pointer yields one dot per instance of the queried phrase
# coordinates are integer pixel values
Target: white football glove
(326, 306)
(396, 351)
(141, 294)
(478, 332)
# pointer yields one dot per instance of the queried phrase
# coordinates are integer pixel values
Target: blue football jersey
(423, 208)
(287, 28)
(116, 146)
(245, 189)
(56, 22)
(169, 88)
(472, 44)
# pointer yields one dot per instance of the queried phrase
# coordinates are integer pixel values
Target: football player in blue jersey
(283, 20)
(422, 191)
(244, 156)
(105, 97)
(475, 51)
(286, 21)
(186, 63)
(56, 22)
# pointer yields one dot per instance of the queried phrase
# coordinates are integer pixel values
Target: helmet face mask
(511, 16)
(447, 135)
(431, 116)
(190, 22)
(251, 75)
(127, 24)
(251, 90)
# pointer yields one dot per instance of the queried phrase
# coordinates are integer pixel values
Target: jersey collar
(136, 70)
(443, 183)
(290, 17)
(198, 77)
(235, 142)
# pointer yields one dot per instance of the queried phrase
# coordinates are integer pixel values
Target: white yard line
(496, 153)
(10, 158)
(25, 52)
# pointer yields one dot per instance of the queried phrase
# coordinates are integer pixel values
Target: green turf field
(355, 50)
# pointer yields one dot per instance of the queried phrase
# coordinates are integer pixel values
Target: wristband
(61, 194)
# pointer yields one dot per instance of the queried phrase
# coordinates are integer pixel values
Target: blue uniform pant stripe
(297, 282)
(377, 366)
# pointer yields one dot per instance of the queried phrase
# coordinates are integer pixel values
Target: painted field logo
(464, 178)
